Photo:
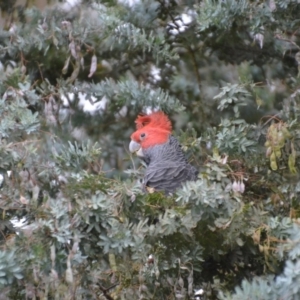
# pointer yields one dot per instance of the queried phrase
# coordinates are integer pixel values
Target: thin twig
(277, 36)
(105, 290)
(192, 52)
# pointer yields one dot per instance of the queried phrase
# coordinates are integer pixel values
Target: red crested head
(152, 129)
(156, 119)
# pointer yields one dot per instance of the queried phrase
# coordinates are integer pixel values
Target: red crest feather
(155, 120)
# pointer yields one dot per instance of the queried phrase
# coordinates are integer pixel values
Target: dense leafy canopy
(73, 79)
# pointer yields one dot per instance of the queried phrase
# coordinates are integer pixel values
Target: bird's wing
(168, 176)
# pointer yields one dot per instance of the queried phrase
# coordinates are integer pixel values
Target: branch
(105, 290)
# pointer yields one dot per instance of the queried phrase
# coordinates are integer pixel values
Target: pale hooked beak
(135, 147)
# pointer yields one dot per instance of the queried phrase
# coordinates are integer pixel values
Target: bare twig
(105, 290)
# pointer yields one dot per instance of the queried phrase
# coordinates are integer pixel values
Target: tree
(73, 81)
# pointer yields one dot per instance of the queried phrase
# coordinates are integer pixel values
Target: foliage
(73, 79)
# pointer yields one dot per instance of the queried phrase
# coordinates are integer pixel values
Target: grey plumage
(167, 167)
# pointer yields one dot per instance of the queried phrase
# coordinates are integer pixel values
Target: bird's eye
(143, 135)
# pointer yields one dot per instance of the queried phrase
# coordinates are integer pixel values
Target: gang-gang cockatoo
(167, 167)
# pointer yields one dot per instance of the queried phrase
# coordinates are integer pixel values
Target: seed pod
(292, 160)
(280, 137)
(180, 282)
(268, 151)
(72, 48)
(66, 65)
(235, 186)
(93, 66)
(278, 153)
(273, 162)
(112, 262)
(286, 133)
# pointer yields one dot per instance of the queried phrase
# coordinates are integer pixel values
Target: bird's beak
(135, 147)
